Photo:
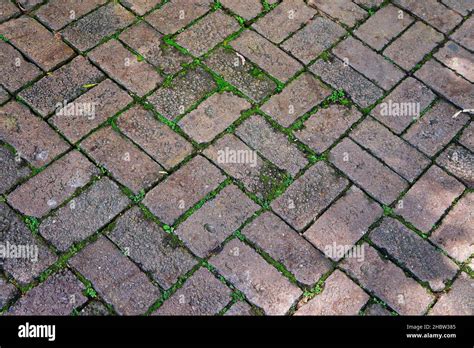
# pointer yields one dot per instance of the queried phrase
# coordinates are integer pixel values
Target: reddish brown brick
(345, 11)
(457, 58)
(463, 35)
(7, 10)
(459, 300)
(12, 170)
(467, 137)
(141, 6)
(376, 310)
(240, 309)
(247, 9)
(460, 162)
(4, 96)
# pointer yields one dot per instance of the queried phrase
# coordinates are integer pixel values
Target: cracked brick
(345, 11)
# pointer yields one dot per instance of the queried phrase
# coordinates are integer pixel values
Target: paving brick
(66, 84)
(345, 11)
(177, 14)
(359, 88)
(12, 171)
(247, 9)
(299, 97)
(459, 300)
(27, 5)
(141, 6)
(240, 309)
(56, 14)
(4, 96)
(428, 199)
(383, 26)
(376, 310)
(341, 296)
(58, 295)
(94, 309)
(412, 46)
(202, 294)
(90, 110)
(344, 223)
(388, 282)
(117, 279)
(403, 105)
(456, 233)
(52, 186)
(129, 165)
(460, 162)
(185, 91)
(467, 137)
(457, 58)
(416, 254)
(229, 65)
(463, 35)
(433, 12)
(30, 135)
(285, 19)
(144, 39)
(266, 55)
(206, 229)
(207, 33)
(137, 76)
(318, 35)
(309, 195)
(393, 151)
(36, 42)
(7, 10)
(369, 3)
(366, 171)
(7, 292)
(157, 139)
(183, 189)
(165, 261)
(368, 63)
(436, 128)
(213, 116)
(461, 6)
(14, 235)
(259, 281)
(84, 215)
(326, 126)
(88, 31)
(272, 235)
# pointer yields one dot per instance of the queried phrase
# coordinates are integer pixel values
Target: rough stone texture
(459, 300)
(94, 309)
(7, 292)
(463, 35)
(7, 10)
(27, 5)
(376, 310)
(345, 11)
(457, 58)
(467, 137)
(240, 309)
(247, 9)
(4, 96)
(460, 162)
(12, 170)
(461, 6)
(141, 6)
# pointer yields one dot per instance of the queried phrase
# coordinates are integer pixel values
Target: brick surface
(463, 35)
(457, 58)
(7, 10)
(309, 195)
(240, 309)
(53, 186)
(428, 199)
(129, 165)
(369, 3)
(12, 171)
(166, 261)
(259, 281)
(459, 300)
(141, 6)
(7, 292)
(376, 310)
(4, 96)
(345, 11)
(84, 215)
(247, 9)
(94, 309)
(206, 229)
(341, 296)
(460, 162)
(118, 280)
(180, 191)
(28, 4)
(461, 6)
(344, 223)
(467, 137)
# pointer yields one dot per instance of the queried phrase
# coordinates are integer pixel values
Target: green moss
(32, 223)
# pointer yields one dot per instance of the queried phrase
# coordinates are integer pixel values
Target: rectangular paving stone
(213, 116)
(66, 84)
(141, 6)
(275, 146)
(7, 292)
(84, 215)
(207, 33)
(12, 170)
(284, 19)
(269, 233)
(393, 151)
(458, 59)
(325, 127)
(344, 223)
(428, 199)
(262, 284)
(246, 9)
(58, 295)
(366, 171)
(94, 309)
(134, 233)
(4, 96)
(88, 31)
(341, 296)
(318, 35)
(202, 294)
(467, 137)
(36, 42)
(345, 11)
(463, 35)
(266, 55)
(414, 44)
(459, 300)
(368, 63)
(7, 10)
(28, 4)
(369, 3)
(206, 229)
(389, 283)
(416, 254)
(383, 26)
(157, 139)
(310, 194)
(461, 6)
(121, 65)
(240, 309)
(459, 161)
(456, 233)
(31, 136)
(359, 88)
(376, 310)
(299, 97)
(90, 110)
(183, 189)
(128, 164)
(117, 279)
